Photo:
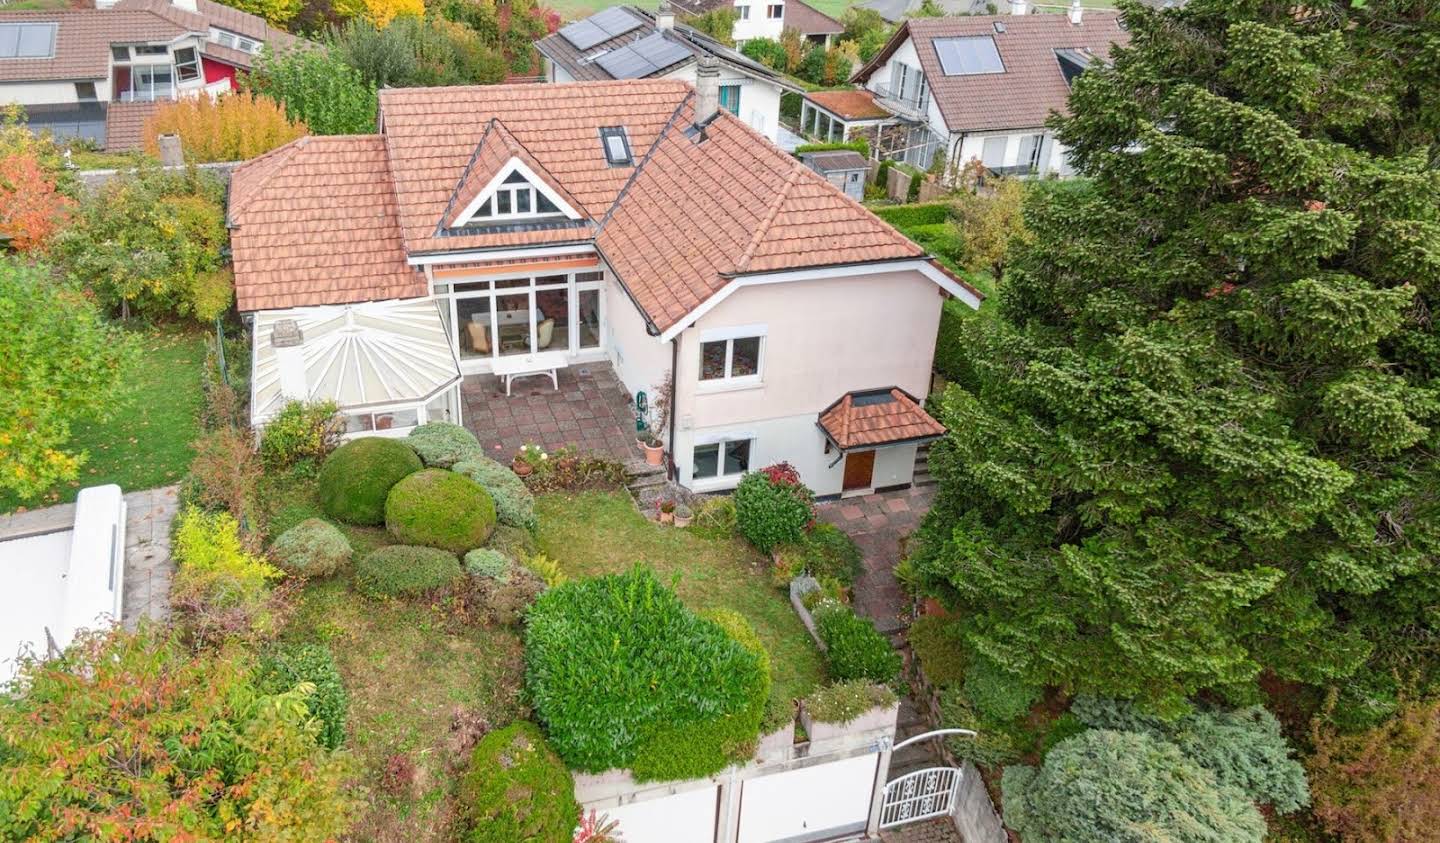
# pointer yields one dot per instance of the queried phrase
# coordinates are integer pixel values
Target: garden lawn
(602, 533)
(409, 670)
(146, 440)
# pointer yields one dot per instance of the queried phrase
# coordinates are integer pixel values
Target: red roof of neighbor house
(314, 222)
(808, 20)
(1032, 85)
(848, 105)
(125, 124)
(877, 417)
(695, 209)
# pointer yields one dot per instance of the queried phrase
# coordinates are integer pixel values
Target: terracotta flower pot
(522, 468)
(667, 517)
(683, 520)
(654, 454)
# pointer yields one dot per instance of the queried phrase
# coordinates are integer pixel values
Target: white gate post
(728, 830)
(877, 794)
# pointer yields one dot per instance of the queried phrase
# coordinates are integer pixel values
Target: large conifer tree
(1199, 442)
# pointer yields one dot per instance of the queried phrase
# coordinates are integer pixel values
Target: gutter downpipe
(670, 472)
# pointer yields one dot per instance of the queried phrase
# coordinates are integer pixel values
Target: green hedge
(441, 509)
(312, 548)
(623, 675)
(772, 512)
(517, 789)
(285, 667)
(825, 551)
(442, 444)
(952, 357)
(355, 479)
(514, 505)
(905, 217)
(399, 570)
(854, 648)
(859, 145)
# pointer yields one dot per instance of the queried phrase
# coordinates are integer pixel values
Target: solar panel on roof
(659, 50)
(582, 34)
(967, 56)
(625, 63)
(615, 21)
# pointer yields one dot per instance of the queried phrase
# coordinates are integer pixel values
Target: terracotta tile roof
(125, 124)
(808, 20)
(698, 213)
(848, 105)
(866, 418)
(559, 125)
(497, 148)
(577, 63)
(314, 222)
(83, 36)
(1032, 85)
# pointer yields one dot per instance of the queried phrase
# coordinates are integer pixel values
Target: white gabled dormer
(514, 194)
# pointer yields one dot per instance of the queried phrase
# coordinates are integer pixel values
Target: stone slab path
(148, 566)
(930, 831)
(878, 524)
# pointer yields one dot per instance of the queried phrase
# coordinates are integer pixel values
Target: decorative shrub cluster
(569, 470)
(517, 789)
(440, 509)
(488, 564)
(442, 444)
(513, 542)
(505, 601)
(300, 431)
(220, 590)
(283, 669)
(514, 505)
(135, 732)
(715, 517)
(854, 649)
(825, 552)
(312, 548)
(356, 479)
(400, 570)
(845, 701)
(620, 670)
(772, 507)
(1101, 786)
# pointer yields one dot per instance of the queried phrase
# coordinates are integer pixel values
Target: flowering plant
(597, 828)
(533, 455)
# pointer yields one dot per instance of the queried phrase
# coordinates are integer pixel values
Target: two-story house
(97, 72)
(975, 88)
(768, 18)
(516, 229)
(626, 42)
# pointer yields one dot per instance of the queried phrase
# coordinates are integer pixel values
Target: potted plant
(683, 515)
(652, 446)
(528, 459)
(656, 418)
(667, 511)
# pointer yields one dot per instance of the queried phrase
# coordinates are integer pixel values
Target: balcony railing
(911, 105)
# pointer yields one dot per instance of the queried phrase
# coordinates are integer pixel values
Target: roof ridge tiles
(769, 219)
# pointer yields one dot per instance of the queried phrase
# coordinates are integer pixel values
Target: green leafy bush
(997, 694)
(513, 542)
(860, 145)
(220, 590)
(312, 548)
(300, 431)
(517, 789)
(399, 570)
(994, 743)
(937, 645)
(138, 732)
(845, 701)
(906, 217)
(514, 505)
(487, 563)
(356, 479)
(772, 507)
(824, 551)
(620, 670)
(1101, 786)
(1244, 748)
(440, 509)
(284, 668)
(715, 517)
(854, 648)
(442, 444)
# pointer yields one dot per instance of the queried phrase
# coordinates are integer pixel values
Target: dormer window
(514, 194)
(616, 145)
(516, 197)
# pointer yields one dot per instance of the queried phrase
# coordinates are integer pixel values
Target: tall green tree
(316, 86)
(1198, 444)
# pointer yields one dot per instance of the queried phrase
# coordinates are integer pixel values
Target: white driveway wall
(686, 817)
(640, 360)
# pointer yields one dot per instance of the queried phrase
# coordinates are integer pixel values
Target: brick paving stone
(590, 409)
(897, 505)
(851, 513)
(930, 831)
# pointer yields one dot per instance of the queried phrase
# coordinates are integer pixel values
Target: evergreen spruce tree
(1198, 444)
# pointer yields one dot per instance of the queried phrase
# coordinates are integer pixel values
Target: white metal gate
(920, 795)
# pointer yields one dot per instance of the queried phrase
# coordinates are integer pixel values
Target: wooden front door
(859, 471)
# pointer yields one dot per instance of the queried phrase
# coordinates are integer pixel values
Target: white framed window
(724, 457)
(732, 357)
(152, 50)
(226, 38)
(397, 418)
(742, 12)
(775, 11)
(187, 64)
(516, 197)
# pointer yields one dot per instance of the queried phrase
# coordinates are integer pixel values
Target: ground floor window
(721, 459)
(401, 417)
(498, 317)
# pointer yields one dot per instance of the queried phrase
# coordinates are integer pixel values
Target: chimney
(664, 16)
(1019, 7)
(288, 342)
(171, 154)
(1076, 12)
(707, 89)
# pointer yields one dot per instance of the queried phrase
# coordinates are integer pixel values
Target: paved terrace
(878, 524)
(590, 411)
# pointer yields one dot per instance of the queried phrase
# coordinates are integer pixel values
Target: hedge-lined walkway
(878, 523)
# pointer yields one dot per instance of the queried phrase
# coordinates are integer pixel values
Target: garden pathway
(878, 524)
(931, 831)
(590, 411)
(148, 566)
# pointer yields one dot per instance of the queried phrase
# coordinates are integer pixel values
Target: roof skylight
(27, 40)
(968, 56)
(617, 146)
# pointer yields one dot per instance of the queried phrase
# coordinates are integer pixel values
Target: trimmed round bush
(285, 667)
(487, 563)
(1101, 786)
(441, 509)
(772, 512)
(400, 570)
(623, 675)
(357, 477)
(442, 444)
(312, 548)
(517, 789)
(854, 648)
(514, 505)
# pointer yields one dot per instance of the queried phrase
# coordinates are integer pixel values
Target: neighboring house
(768, 18)
(843, 168)
(624, 42)
(97, 72)
(975, 88)
(515, 229)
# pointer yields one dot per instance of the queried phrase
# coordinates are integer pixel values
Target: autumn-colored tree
(31, 208)
(379, 12)
(275, 12)
(232, 127)
(1379, 785)
(988, 221)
